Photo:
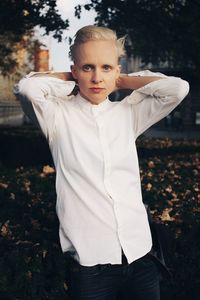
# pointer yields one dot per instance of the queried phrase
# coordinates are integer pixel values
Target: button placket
(106, 156)
(107, 169)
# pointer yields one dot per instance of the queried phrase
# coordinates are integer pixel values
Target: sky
(59, 60)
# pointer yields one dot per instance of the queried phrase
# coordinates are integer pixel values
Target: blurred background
(162, 36)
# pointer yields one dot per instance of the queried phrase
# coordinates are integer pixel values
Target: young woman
(103, 221)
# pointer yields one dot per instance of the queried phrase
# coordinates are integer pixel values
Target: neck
(91, 101)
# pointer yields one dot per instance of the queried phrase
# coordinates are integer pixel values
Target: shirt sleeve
(40, 96)
(155, 100)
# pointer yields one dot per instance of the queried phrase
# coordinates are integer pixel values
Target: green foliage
(18, 18)
(158, 31)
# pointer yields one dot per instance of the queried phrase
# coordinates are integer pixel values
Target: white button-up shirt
(99, 199)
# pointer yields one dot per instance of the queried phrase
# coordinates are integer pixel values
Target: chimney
(41, 59)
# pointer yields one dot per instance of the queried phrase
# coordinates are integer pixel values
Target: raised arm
(154, 96)
(66, 76)
(40, 93)
(134, 82)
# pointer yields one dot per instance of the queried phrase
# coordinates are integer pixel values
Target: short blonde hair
(95, 33)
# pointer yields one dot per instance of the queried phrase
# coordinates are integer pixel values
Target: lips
(97, 90)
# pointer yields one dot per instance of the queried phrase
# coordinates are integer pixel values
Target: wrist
(67, 76)
(120, 83)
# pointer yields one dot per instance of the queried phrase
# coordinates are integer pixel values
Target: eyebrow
(93, 65)
(89, 65)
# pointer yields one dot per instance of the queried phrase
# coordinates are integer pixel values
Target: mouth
(97, 90)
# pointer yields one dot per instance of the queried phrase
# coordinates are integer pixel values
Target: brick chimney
(41, 59)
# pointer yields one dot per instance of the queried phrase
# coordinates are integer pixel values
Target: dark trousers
(136, 281)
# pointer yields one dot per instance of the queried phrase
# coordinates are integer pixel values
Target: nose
(96, 76)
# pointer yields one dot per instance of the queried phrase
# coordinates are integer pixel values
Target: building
(28, 60)
(36, 60)
(41, 59)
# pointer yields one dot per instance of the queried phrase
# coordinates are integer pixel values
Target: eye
(107, 68)
(87, 68)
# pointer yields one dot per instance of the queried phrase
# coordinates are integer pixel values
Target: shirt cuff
(147, 73)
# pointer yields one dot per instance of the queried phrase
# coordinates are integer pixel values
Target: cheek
(112, 80)
(83, 82)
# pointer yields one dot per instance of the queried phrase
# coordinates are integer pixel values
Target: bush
(32, 265)
(171, 187)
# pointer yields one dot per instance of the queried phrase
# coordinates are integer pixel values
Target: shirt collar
(85, 105)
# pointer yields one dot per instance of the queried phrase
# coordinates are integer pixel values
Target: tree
(165, 31)
(18, 18)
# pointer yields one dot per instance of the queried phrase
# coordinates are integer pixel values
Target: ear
(119, 67)
(73, 71)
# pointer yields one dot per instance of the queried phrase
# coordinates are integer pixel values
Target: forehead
(101, 51)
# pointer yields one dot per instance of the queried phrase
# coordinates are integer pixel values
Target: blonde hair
(95, 33)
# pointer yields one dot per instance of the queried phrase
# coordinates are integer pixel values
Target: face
(96, 69)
